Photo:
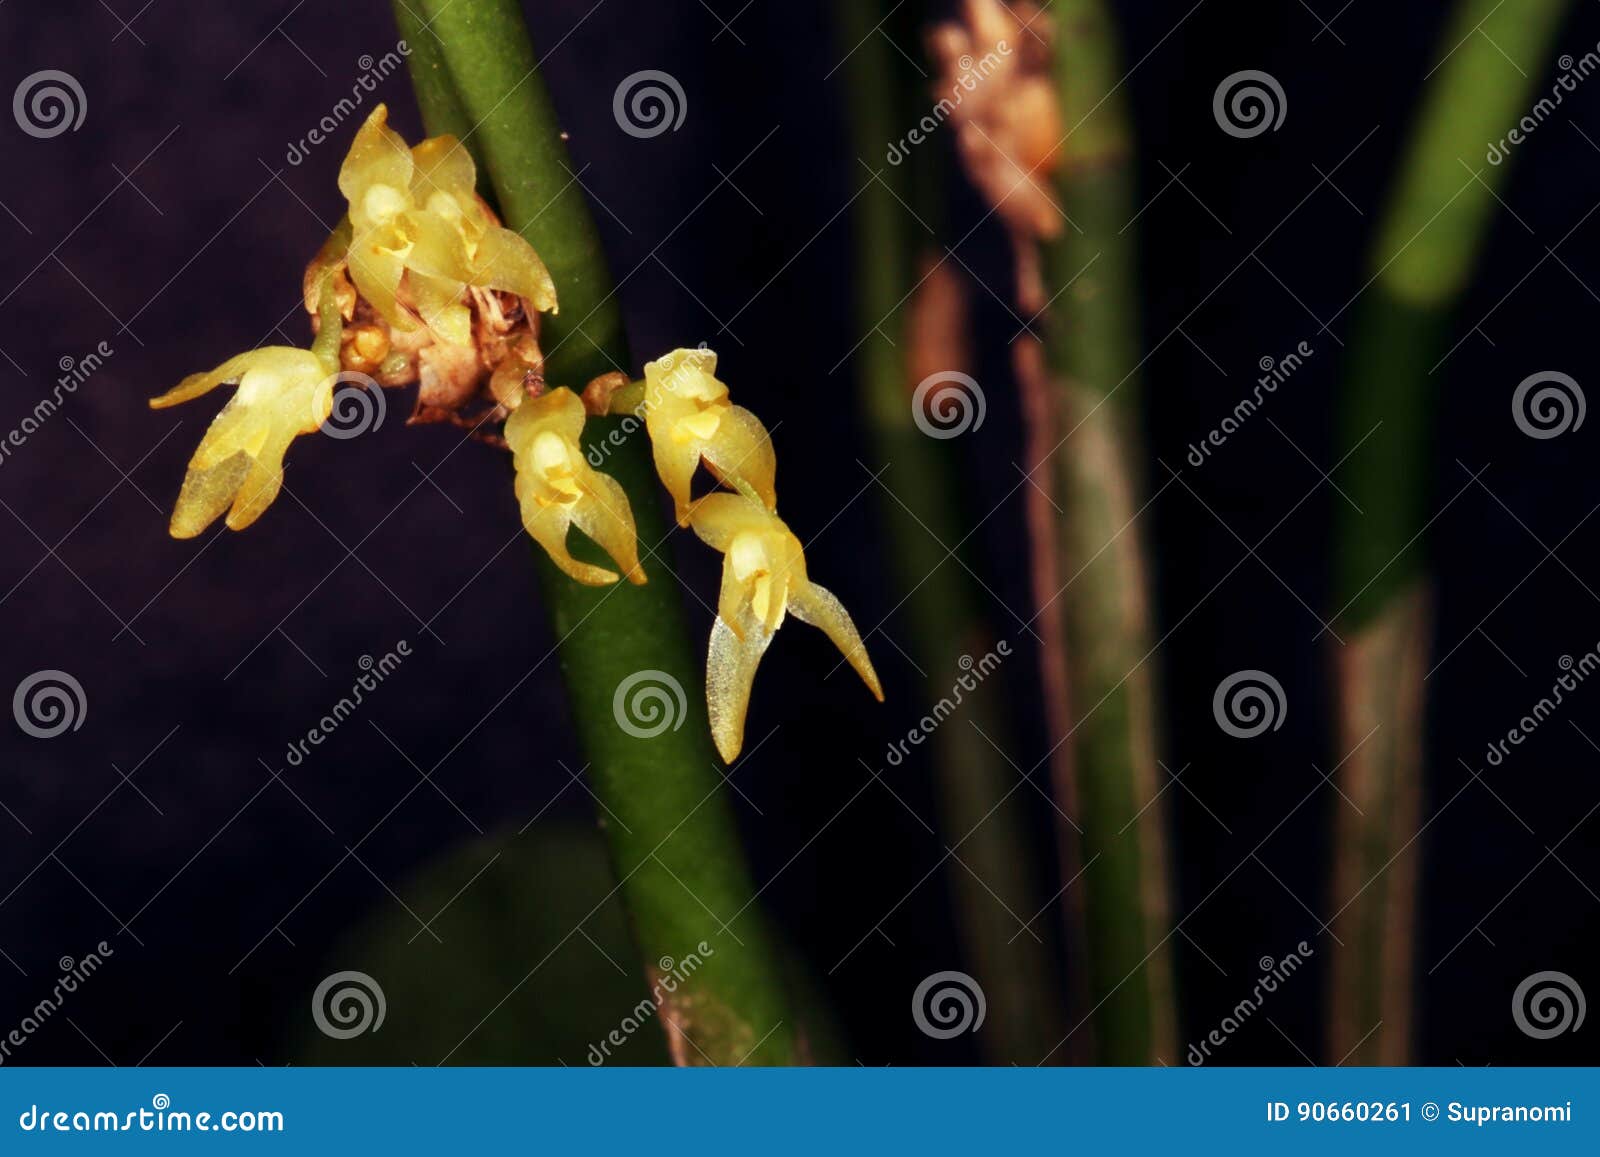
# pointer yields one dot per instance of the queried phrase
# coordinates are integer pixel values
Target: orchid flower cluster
(420, 283)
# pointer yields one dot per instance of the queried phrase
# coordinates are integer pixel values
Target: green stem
(983, 808)
(1428, 242)
(672, 835)
(1108, 757)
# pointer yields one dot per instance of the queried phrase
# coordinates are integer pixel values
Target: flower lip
(553, 461)
(383, 203)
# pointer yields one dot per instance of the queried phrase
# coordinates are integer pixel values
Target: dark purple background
(171, 227)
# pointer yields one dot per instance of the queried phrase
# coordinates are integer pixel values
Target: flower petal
(741, 449)
(377, 156)
(558, 489)
(717, 518)
(560, 410)
(443, 165)
(376, 269)
(548, 526)
(730, 672)
(237, 428)
(603, 513)
(700, 361)
(676, 463)
(439, 301)
(819, 607)
(505, 261)
(206, 493)
(195, 385)
(437, 247)
(260, 486)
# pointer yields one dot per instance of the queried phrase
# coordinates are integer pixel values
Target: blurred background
(441, 839)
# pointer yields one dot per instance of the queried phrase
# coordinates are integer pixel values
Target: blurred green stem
(672, 835)
(1428, 242)
(983, 807)
(1106, 758)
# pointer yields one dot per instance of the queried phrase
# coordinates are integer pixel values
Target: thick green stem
(1428, 242)
(672, 834)
(1107, 755)
(983, 808)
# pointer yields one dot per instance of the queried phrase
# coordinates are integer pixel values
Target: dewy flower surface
(690, 419)
(282, 393)
(557, 489)
(763, 579)
(416, 215)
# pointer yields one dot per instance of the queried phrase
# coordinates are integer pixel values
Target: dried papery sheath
(996, 87)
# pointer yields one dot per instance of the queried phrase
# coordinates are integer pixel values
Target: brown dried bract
(598, 393)
(995, 81)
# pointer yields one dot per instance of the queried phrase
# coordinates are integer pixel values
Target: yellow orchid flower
(558, 489)
(282, 393)
(690, 419)
(763, 578)
(416, 215)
